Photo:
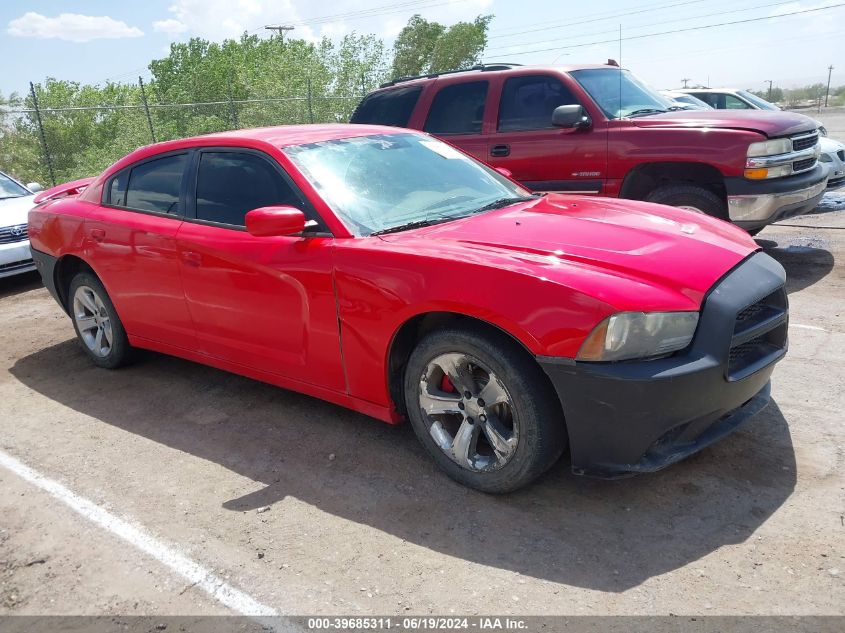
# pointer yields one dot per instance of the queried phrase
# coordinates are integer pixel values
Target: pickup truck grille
(760, 335)
(804, 141)
(803, 165)
(15, 233)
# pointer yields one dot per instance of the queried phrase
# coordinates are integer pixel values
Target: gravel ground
(312, 509)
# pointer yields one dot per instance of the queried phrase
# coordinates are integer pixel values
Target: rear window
(458, 109)
(389, 107)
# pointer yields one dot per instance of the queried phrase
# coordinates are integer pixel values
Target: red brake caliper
(446, 385)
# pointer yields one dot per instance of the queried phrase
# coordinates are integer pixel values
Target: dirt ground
(312, 509)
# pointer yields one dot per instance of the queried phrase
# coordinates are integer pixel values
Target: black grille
(760, 335)
(803, 165)
(803, 142)
(4, 268)
(16, 233)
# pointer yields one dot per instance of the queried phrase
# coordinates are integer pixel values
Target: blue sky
(95, 40)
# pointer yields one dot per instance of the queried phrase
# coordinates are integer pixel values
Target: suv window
(710, 98)
(229, 184)
(391, 107)
(153, 186)
(528, 102)
(735, 103)
(458, 109)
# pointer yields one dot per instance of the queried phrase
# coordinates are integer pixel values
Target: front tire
(483, 409)
(98, 327)
(692, 198)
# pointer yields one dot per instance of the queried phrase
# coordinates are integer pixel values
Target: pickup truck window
(528, 102)
(735, 103)
(391, 107)
(458, 109)
(619, 93)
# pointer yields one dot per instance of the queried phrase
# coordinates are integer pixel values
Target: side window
(735, 103)
(528, 102)
(117, 189)
(391, 107)
(154, 185)
(230, 184)
(710, 98)
(458, 109)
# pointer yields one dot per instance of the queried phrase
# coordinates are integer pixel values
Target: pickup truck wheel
(483, 410)
(692, 198)
(98, 328)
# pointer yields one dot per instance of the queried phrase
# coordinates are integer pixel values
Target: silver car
(833, 157)
(15, 203)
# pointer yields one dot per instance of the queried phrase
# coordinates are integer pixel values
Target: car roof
(287, 135)
(493, 69)
(725, 90)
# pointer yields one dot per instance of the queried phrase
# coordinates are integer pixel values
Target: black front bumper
(633, 417)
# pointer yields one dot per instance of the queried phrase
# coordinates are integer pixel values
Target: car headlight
(823, 130)
(770, 148)
(629, 335)
(825, 158)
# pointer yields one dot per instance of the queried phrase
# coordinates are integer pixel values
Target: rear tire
(497, 445)
(98, 327)
(691, 197)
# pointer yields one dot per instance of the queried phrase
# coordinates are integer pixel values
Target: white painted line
(194, 573)
(808, 327)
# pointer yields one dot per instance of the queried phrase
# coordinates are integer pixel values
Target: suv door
(131, 239)
(456, 115)
(539, 155)
(266, 303)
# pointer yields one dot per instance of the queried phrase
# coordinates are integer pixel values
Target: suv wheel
(692, 198)
(483, 410)
(97, 325)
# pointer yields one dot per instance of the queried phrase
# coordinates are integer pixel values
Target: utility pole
(685, 80)
(827, 94)
(769, 93)
(281, 29)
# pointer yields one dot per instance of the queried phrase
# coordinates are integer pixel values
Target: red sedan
(385, 271)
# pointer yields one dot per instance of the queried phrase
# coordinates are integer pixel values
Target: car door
(267, 303)
(539, 155)
(130, 240)
(457, 115)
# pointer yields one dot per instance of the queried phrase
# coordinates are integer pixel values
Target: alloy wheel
(92, 321)
(470, 412)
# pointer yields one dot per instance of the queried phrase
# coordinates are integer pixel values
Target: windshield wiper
(416, 224)
(503, 202)
(644, 111)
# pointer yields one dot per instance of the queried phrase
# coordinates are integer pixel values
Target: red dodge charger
(386, 271)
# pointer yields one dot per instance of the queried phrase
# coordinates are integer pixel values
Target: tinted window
(458, 109)
(391, 107)
(117, 189)
(710, 98)
(156, 185)
(229, 184)
(735, 103)
(528, 102)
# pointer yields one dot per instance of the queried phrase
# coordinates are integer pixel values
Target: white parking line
(808, 327)
(193, 572)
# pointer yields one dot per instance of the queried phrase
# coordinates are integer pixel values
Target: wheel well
(644, 179)
(414, 329)
(66, 269)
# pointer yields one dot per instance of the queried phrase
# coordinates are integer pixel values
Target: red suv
(599, 130)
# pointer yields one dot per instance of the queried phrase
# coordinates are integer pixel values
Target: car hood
(559, 237)
(829, 145)
(14, 210)
(770, 123)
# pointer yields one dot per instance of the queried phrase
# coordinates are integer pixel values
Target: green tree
(425, 47)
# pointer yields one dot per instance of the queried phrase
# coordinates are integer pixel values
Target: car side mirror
(35, 187)
(507, 173)
(571, 116)
(275, 221)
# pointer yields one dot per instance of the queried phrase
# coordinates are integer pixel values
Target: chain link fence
(54, 143)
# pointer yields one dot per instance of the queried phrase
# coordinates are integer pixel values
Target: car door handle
(500, 150)
(191, 258)
(98, 235)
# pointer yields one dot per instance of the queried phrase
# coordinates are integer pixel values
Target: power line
(642, 26)
(568, 23)
(686, 30)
